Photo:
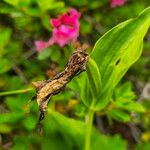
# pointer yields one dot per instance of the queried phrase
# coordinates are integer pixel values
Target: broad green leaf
(117, 50)
(73, 132)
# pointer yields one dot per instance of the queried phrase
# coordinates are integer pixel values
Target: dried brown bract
(45, 89)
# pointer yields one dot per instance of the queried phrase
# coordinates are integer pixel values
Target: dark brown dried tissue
(45, 89)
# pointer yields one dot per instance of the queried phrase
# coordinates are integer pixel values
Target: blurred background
(22, 22)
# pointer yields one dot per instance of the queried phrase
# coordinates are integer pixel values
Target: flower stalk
(89, 124)
(16, 91)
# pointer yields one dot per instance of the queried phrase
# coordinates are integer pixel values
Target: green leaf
(76, 84)
(94, 78)
(92, 84)
(4, 9)
(56, 54)
(5, 128)
(18, 103)
(56, 142)
(124, 98)
(46, 22)
(142, 146)
(10, 117)
(35, 12)
(124, 92)
(44, 54)
(14, 2)
(14, 80)
(117, 50)
(85, 27)
(130, 106)
(18, 3)
(134, 106)
(119, 115)
(30, 122)
(49, 4)
(5, 65)
(20, 142)
(73, 132)
(24, 3)
(4, 39)
(88, 84)
(85, 92)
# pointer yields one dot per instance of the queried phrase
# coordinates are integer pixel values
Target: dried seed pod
(45, 89)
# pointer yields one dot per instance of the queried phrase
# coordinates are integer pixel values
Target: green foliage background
(24, 21)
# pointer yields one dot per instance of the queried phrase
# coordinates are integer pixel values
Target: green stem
(89, 130)
(16, 91)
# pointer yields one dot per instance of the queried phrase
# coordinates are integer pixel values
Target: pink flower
(40, 45)
(115, 3)
(65, 30)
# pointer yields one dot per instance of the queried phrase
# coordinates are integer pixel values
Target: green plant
(112, 56)
(98, 88)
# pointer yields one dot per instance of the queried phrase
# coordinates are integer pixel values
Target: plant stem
(89, 130)
(16, 91)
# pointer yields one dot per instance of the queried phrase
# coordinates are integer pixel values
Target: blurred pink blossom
(115, 3)
(40, 45)
(65, 30)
